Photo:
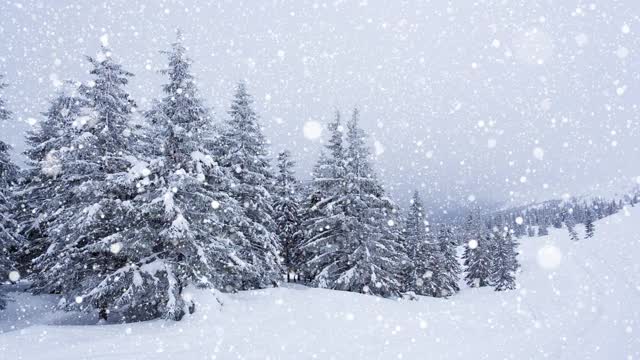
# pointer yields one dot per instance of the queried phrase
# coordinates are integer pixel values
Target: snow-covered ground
(576, 300)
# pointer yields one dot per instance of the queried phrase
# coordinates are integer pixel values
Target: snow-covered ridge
(576, 300)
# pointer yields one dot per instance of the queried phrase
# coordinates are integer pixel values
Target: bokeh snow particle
(549, 257)
(312, 130)
(14, 276)
(104, 40)
(473, 244)
(115, 247)
(538, 153)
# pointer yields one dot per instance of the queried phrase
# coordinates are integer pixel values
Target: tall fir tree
(243, 150)
(504, 262)
(188, 228)
(324, 239)
(43, 193)
(375, 247)
(543, 227)
(450, 268)
(94, 177)
(9, 239)
(418, 246)
(355, 242)
(287, 210)
(570, 223)
(477, 260)
(589, 226)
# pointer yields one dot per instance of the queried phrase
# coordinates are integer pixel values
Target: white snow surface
(587, 306)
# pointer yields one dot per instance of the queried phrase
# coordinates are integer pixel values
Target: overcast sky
(487, 100)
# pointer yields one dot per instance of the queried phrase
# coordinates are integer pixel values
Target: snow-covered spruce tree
(368, 250)
(504, 262)
(450, 267)
(9, 239)
(43, 193)
(570, 223)
(473, 231)
(187, 226)
(243, 150)
(543, 227)
(287, 213)
(324, 236)
(416, 241)
(589, 226)
(83, 261)
(477, 260)
(530, 231)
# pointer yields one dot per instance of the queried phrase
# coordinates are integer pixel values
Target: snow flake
(625, 29)
(312, 130)
(14, 276)
(115, 247)
(622, 52)
(549, 257)
(215, 204)
(472, 244)
(379, 148)
(519, 220)
(581, 39)
(538, 153)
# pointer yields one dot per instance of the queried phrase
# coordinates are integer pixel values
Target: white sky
(462, 99)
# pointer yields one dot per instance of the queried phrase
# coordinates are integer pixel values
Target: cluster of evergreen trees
(120, 209)
(536, 220)
(490, 254)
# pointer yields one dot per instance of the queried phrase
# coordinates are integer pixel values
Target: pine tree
(530, 231)
(9, 240)
(288, 213)
(243, 150)
(188, 227)
(354, 242)
(543, 227)
(43, 192)
(589, 226)
(477, 260)
(374, 245)
(418, 273)
(570, 223)
(93, 218)
(504, 262)
(450, 268)
(321, 249)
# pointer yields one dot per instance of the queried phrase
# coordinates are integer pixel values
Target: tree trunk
(103, 314)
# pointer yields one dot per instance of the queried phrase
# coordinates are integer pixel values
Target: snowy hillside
(576, 300)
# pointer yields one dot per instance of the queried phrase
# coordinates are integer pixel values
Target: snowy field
(575, 301)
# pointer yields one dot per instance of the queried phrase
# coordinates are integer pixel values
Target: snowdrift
(576, 300)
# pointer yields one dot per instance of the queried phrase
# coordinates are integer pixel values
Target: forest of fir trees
(119, 216)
